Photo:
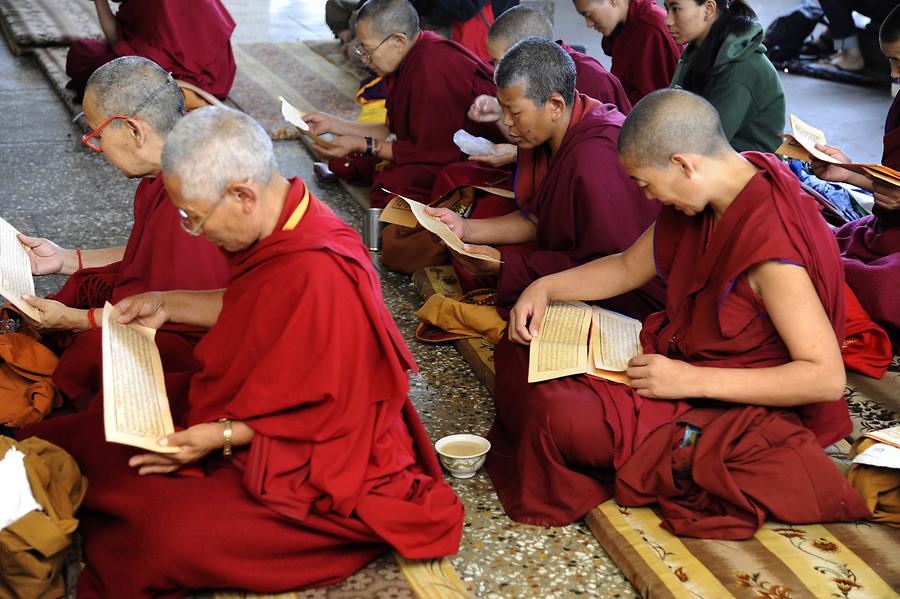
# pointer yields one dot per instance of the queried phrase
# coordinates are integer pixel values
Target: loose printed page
(135, 404)
(398, 212)
(618, 340)
(808, 136)
(440, 229)
(295, 117)
(891, 436)
(15, 271)
(561, 345)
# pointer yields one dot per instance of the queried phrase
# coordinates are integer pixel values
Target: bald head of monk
(536, 90)
(131, 104)
(673, 145)
(222, 175)
(386, 31)
(513, 26)
(889, 36)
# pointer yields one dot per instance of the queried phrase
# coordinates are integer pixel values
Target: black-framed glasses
(367, 56)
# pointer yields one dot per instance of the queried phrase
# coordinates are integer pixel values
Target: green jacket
(745, 89)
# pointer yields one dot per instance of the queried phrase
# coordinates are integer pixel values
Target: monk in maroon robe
(754, 315)
(431, 83)
(635, 36)
(575, 201)
(290, 474)
(192, 40)
(870, 246)
(159, 254)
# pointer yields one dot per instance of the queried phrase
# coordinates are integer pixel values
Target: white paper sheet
(16, 500)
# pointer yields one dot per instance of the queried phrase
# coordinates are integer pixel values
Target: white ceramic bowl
(462, 465)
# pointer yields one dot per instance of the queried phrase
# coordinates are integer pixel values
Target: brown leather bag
(27, 392)
(34, 548)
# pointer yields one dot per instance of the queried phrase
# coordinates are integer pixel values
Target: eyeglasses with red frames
(90, 139)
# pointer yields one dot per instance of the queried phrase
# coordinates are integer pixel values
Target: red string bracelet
(78, 255)
(91, 320)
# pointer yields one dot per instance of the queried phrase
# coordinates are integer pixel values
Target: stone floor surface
(53, 186)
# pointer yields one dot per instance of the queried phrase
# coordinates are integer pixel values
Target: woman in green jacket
(726, 63)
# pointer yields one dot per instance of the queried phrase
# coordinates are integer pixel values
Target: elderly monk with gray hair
(576, 203)
(132, 105)
(295, 467)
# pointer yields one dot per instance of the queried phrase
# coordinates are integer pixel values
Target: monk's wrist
(69, 262)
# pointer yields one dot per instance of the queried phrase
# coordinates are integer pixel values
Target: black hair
(731, 16)
(889, 32)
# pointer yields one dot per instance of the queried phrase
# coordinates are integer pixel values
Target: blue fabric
(839, 197)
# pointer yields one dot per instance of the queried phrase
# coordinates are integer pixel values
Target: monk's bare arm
(503, 230)
(814, 374)
(596, 280)
(47, 258)
(91, 258)
(108, 22)
(154, 309)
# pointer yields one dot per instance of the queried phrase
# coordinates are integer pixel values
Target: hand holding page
(438, 228)
(15, 271)
(135, 404)
(295, 117)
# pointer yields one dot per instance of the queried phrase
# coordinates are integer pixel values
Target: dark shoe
(323, 173)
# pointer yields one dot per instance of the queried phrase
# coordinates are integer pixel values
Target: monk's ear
(684, 164)
(557, 105)
(245, 193)
(136, 131)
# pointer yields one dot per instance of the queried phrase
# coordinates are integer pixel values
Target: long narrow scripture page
(561, 345)
(15, 270)
(135, 404)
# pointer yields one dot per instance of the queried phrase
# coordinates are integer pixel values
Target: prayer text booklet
(15, 271)
(135, 403)
(576, 338)
(890, 436)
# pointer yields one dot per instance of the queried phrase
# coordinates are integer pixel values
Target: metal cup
(372, 229)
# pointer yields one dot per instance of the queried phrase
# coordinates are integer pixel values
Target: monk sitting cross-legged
(742, 378)
(132, 104)
(192, 40)
(576, 203)
(431, 83)
(301, 458)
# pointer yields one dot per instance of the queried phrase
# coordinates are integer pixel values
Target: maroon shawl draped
(190, 39)
(159, 256)
(593, 80)
(870, 247)
(643, 53)
(305, 352)
(428, 99)
(586, 204)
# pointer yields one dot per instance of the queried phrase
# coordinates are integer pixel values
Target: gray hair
(541, 66)
(213, 146)
(136, 86)
(390, 16)
(668, 122)
(520, 22)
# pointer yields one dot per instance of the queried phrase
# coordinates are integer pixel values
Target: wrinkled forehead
(514, 98)
(369, 34)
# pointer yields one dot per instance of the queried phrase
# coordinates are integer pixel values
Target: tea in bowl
(462, 455)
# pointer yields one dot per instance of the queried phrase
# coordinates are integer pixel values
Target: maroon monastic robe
(557, 443)
(340, 468)
(190, 39)
(428, 99)
(159, 256)
(870, 247)
(643, 52)
(586, 207)
(593, 80)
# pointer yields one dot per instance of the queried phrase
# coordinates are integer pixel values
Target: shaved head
(136, 86)
(889, 32)
(541, 67)
(211, 147)
(520, 22)
(390, 16)
(668, 122)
